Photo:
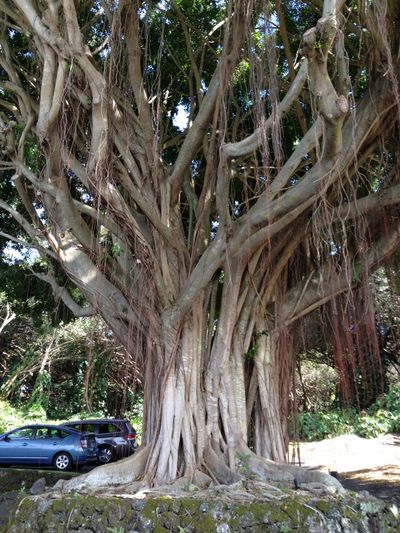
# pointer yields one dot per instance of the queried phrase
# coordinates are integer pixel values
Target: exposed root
(216, 464)
(123, 472)
(297, 476)
(253, 475)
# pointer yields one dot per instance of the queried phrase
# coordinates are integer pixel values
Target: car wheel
(105, 455)
(62, 461)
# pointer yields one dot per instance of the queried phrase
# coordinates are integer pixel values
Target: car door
(110, 433)
(16, 446)
(45, 443)
(113, 434)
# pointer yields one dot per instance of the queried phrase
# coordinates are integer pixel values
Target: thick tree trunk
(271, 407)
(199, 424)
(193, 422)
(179, 432)
(204, 396)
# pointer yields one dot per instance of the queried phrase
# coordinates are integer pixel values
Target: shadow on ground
(382, 482)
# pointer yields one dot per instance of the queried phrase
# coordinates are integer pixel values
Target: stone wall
(300, 512)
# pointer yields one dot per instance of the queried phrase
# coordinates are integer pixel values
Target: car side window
(89, 428)
(60, 434)
(24, 433)
(42, 433)
(54, 433)
(109, 428)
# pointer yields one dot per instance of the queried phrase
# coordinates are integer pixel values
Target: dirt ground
(360, 464)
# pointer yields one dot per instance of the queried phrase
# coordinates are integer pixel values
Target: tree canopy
(205, 174)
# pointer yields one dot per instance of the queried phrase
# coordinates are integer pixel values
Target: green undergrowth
(381, 418)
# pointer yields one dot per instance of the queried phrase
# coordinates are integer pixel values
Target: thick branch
(369, 203)
(10, 316)
(136, 78)
(250, 144)
(317, 43)
(63, 294)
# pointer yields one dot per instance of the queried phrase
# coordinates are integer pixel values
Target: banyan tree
(207, 173)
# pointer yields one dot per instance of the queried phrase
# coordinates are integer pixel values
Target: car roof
(36, 426)
(96, 420)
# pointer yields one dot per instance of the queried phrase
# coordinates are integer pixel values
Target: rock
(223, 528)
(204, 507)
(138, 505)
(38, 487)
(59, 485)
(8, 503)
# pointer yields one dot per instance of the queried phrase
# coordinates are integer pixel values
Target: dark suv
(115, 437)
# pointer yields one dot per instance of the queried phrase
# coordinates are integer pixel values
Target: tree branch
(63, 294)
(322, 286)
(10, 316)
(248, 145)
(43, 251)
(194, 138)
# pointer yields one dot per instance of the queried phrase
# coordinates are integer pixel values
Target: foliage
(381, 418)
(28, 295)
(8, 416)
(316, 386)
(321, 425)
(12, 417)
(136, 416)
(60, 372)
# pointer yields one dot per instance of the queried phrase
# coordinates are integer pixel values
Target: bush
(9, 417)
(323, 425)
(369, 426)
(315, 386)
(381, 418)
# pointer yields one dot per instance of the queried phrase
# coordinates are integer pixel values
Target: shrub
(321, 425)
(372, 425)
(9, 417)
(381, 418)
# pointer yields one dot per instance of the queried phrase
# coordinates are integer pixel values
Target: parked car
(46, 445)
(115, 437)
